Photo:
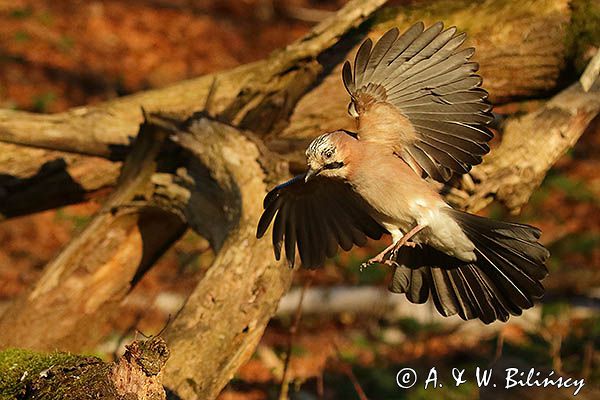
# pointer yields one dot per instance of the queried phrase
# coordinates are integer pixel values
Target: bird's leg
(404, 240)
(393, 248)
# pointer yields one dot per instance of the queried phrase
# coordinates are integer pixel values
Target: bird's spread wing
(419, 91)
(317, 216)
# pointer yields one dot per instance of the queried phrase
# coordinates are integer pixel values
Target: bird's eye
(328, 154)
(352, 110)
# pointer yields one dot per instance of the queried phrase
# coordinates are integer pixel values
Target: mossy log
(136, 375)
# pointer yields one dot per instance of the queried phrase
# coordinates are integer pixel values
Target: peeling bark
(230, 307)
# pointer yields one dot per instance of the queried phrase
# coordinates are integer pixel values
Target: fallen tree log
(79, 288)
(258, 119)
(505, 33)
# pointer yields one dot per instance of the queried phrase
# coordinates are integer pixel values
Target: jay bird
(421, 114)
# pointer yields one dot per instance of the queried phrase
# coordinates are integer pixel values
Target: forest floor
(56, 55)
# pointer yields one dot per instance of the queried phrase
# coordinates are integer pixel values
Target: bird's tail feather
(504, 280)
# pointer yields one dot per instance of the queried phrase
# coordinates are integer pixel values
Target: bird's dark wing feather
(425, 75)
(316, 217)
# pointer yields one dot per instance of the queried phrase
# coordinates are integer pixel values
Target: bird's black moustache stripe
(334, 165)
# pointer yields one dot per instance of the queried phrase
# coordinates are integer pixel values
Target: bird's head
(326, 155)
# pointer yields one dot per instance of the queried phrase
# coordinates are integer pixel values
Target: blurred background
(58, 54)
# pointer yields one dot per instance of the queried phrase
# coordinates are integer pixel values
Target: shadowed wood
(100, 265)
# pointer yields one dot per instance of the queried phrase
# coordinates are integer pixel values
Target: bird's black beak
(311, 173)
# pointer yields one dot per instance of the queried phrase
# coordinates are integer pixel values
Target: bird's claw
(379, 259)
(386, 259)
(366, 264)
(391, 263)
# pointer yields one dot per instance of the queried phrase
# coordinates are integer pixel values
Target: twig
(556, 345)
(320, 386)
(347, 370)
(307, 14)
(283, 391)
(499, 346)
(208, 104)
(591, 73)
(588, 359)
(123, 336)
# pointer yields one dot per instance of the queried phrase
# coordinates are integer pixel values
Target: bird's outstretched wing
(419, 92)
(317, 216)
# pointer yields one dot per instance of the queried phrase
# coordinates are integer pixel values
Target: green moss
(468, 15)
(19, 367)
(42, 101)
(21, 13)
(22, 37)
(583, 33)
(52, 376)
